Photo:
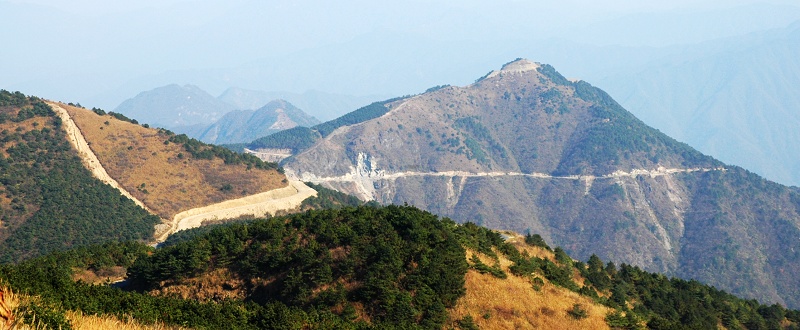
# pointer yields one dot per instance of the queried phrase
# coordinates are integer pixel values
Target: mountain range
(525, 149)
(592, 162)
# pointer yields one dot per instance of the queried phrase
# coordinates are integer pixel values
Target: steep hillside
(369, 268)
(171, 173)
(247, 125)
(523, 149)
(48, 200)
(175, 107)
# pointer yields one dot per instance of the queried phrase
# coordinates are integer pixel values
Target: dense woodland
(49, 200)
(364, 267)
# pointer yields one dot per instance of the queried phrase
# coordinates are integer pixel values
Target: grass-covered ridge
(171, 173)
(48, 200)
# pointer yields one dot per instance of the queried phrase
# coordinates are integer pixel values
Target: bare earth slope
(525, 149)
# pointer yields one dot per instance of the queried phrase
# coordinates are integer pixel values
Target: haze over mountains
(525, 149)
(222, 46)
(238, 119)
(736, 100)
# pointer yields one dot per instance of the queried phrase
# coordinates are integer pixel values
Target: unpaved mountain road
(365, 174)
(267, 203)
(262, 204)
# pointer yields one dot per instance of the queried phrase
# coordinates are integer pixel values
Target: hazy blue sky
(101, 52)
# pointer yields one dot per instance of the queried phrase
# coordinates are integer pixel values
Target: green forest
(358, 268)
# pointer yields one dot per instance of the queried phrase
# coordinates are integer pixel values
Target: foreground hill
(181, 180)
(241, 126)
(524, 149)
(48, 199)
(71, 177)
(364, 268)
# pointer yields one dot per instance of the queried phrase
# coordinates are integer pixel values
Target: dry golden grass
(80, 321)
(153, 171)
(513, 303)
(101, 276)
(9, 302)
(217, 285)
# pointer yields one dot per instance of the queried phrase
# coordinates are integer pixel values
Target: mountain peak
(519, 65)
(516, 66)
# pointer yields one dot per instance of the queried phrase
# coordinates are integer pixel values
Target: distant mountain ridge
(246, 125)
(174, 106)
(526, 149)
(317, 104)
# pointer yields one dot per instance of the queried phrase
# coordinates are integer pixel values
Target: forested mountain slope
(523, 148)
(370, 268)
(51, 201)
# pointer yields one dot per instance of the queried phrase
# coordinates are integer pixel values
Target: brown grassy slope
(165, 177)
(513, 303)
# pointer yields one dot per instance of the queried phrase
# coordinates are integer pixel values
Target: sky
(103, 52)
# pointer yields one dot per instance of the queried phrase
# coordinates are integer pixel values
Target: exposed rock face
(525, 149)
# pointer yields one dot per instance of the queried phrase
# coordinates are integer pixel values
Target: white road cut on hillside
(366, 173)
(262, 204)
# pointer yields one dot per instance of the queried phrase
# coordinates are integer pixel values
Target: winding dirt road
(266, 203)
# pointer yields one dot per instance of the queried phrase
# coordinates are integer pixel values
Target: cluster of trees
(16, 99)
(55, 202)
(296, 138)
(479, 133)
(405, 266)
(330, 199)
(366, 267)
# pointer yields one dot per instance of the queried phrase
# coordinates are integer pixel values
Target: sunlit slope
(166, 176)
(48, 200)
